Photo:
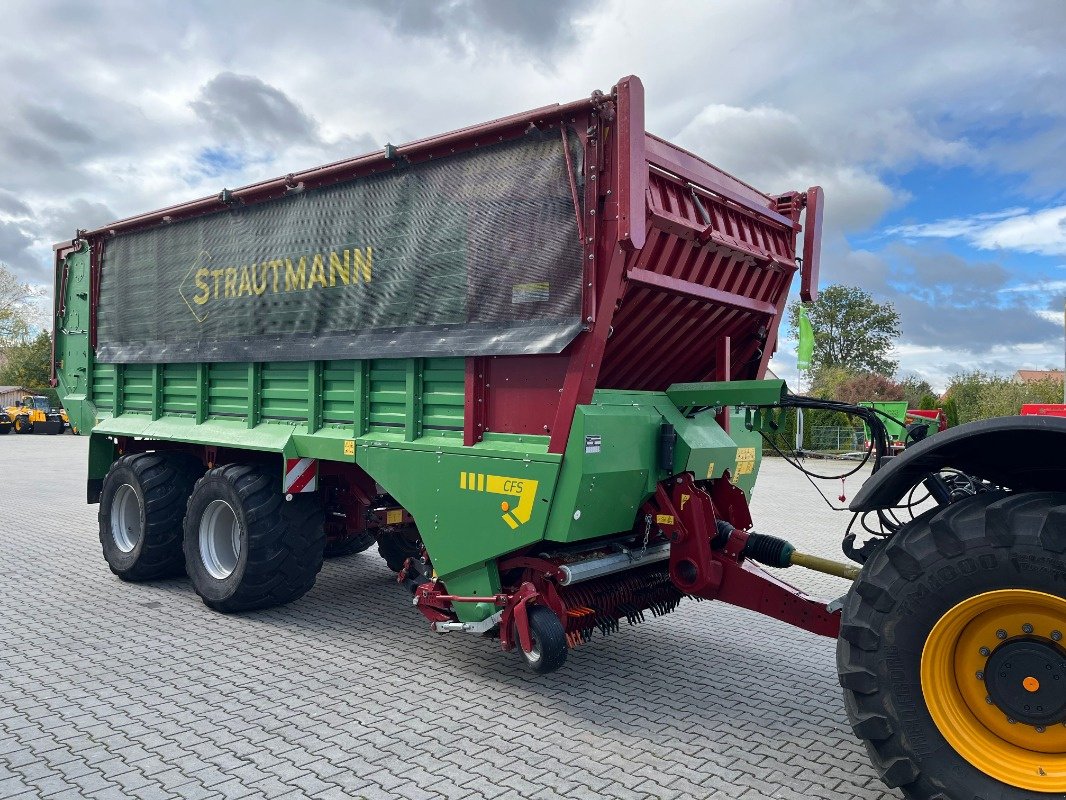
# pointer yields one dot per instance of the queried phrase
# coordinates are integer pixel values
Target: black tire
(549, 641)
(338, 548)
(4, 428)
(145, 544)
(398, 546)
(23, 425)
(984, 543)
(280, 542)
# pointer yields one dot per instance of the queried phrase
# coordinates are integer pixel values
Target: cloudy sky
(937, 129)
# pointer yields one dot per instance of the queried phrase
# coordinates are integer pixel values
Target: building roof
(1033, 375)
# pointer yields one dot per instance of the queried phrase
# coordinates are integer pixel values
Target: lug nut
(1011, 721)
(1027, 628)
(1056, 635)
(989, 701)
(1001, 634)
(1040, 729)
(985, 651)
(980, 675)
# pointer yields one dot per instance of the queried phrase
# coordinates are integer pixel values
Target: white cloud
(1042, 232)
(784, 95)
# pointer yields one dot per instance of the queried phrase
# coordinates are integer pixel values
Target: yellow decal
(710, 470)
(684, 499)
(745, 462)
(349, 447)
(522, 488)
(664, 519)
(394, 516)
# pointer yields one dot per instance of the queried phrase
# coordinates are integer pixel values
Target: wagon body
(508, 392)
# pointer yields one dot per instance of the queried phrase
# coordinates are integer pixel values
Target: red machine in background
(1044, 410)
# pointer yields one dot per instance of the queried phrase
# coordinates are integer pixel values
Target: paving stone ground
(113, 690)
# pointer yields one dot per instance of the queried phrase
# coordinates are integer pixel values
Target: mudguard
(1019, 453)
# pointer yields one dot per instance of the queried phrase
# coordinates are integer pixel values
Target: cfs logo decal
(522, 488)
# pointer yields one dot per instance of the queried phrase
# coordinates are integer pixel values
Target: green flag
(806, 341)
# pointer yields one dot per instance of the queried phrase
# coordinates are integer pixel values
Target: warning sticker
(592, 444)
(529, 293)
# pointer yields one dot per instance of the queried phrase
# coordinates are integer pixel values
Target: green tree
(29, 363)
(851, 330)
(14, 309)
(916, 390)
(977, 395)
(836, 383)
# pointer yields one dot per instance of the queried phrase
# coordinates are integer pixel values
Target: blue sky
(937, 130)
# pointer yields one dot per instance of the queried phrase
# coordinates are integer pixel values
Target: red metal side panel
(716, 264)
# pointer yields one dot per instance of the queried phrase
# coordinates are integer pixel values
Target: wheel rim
(220, 539)
(991, 663)
(126, 525)
(535, 653)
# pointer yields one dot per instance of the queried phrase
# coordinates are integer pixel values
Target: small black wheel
(142, 503)
(340, 547)
(951, 651)
(549, 641)
(399, 545)
(246, 546)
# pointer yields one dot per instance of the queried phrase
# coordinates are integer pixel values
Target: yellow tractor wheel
(994, 680)
(952, 652)
(23, 425)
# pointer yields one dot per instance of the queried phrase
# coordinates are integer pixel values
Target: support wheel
(348, 546)
(246, 547)
(549, 641)
(399, 545)
(142, 503)
(951, 651)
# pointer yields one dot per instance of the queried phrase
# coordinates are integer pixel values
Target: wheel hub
(993, 677)
(1026, 679)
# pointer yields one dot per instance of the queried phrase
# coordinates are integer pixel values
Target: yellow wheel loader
(32, 414)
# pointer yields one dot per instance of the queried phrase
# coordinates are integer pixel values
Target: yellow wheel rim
(957, 654)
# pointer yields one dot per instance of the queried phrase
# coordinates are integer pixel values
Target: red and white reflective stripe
(301, 475)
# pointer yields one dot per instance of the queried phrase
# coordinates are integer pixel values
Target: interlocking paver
(114, 690)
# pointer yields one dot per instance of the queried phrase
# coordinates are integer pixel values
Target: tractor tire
(142, 504)
(951, 651)
(4, 429)
(246, 547)
(339, 548)
(549, 641)
(398, 546)
(23, 425)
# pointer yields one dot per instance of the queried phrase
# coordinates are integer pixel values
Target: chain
(647, 535)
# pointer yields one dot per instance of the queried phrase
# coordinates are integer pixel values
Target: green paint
(727, 393)
(405, 416)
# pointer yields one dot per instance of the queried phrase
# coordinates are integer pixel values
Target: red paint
(812, 245)
(1039, 410)
(678, 257)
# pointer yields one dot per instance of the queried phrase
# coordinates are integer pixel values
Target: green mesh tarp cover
(474, 254)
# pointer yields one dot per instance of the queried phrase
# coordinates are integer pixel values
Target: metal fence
(835, 439)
